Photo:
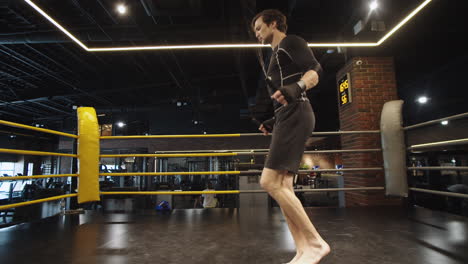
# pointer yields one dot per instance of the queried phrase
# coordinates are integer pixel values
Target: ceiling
(44, 74)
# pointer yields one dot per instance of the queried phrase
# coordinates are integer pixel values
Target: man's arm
(287, 93)
(311, 79)
(305, 60)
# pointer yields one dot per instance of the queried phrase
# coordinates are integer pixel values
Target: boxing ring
(235, 235)
(88, 158)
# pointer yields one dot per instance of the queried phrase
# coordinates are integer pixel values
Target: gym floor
(252, 235)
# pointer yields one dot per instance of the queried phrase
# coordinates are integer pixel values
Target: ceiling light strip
(224, 46)
(44, 14)
(218, 46)
(214, 46)
(325, 45)
(404, 21)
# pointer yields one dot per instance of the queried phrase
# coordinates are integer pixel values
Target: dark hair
(271, 15)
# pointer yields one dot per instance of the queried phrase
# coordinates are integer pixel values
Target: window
(30, 169)
(7, 168)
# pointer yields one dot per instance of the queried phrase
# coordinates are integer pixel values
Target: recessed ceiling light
(423, 99)
(122, 9)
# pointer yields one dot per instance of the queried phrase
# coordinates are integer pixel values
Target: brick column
(372, 83)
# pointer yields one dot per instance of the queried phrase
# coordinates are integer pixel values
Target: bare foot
(313, 255)
(298, 255)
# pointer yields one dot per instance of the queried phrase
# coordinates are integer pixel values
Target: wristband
(302, 84)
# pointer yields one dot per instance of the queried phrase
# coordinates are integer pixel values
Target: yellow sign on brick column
(344, 90)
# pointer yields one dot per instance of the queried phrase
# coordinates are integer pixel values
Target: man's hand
(289, 93)
(279, 97)
(267, 126)
(263, 129)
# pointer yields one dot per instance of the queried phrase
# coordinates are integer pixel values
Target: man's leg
(315, 247)
(298, 237)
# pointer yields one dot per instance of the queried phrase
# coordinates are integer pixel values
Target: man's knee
(271, 180)
(269, 185)
(288, 181)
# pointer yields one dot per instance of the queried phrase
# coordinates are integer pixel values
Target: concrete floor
(251, 235)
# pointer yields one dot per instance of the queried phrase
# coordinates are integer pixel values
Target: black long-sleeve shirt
(290, 60)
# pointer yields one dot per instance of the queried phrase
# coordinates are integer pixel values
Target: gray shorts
(293, 126)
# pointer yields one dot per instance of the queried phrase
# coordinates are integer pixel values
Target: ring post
(393, 149)
(88, 155)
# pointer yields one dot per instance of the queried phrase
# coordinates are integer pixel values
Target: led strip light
(224, 46)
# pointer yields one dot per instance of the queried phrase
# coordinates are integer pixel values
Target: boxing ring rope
(170, 155)
(238, 191)
(227, 154)
(172, 173)
(174, 136)
(253, 151)
(439, 144)
(249, 172)
(48, 131)
(37, 177)
(88, 155)
(459, 168)
(451, 194)
(91, 151)
(325, 190)
(37, 153)
(320, 170)
(232, 135)
(217, 153)
(455, 142)
(436, 121)
(264, 152)
(335, 133)
(88, 189)
(48, 199)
